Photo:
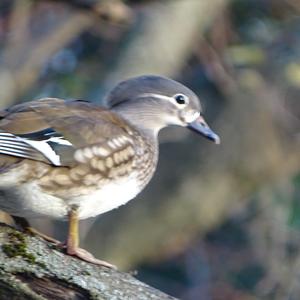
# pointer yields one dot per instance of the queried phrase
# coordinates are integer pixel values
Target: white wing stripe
(13, 138)
(14, 154)
(45, 149)
(13, 150)
(26, 147)
(16, 145)
(6, 134)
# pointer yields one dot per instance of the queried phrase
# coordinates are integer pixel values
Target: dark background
(216, 222)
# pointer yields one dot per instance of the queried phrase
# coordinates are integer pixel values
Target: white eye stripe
(152, 95)
(168, 98)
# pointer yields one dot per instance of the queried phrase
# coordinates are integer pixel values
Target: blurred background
(216, 222)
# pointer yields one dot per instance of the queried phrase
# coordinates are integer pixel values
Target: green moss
(17, 247)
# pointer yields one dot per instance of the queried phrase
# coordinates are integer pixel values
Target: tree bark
(32, 269)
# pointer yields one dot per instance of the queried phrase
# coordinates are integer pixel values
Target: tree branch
(33, 269)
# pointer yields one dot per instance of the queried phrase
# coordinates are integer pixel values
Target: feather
(39, 145)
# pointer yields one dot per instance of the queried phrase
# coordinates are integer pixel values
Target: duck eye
(180, 98)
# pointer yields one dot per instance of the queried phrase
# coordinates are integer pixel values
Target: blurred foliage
(250, 49)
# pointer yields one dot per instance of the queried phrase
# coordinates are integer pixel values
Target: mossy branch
(31, 268)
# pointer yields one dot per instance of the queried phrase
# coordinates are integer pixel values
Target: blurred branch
(294, 4)
(44, 49)
(32, 269)
(24, 57)
(113, 10)
(164, 37)
(19, 24)
(273, 237)
(215, 67)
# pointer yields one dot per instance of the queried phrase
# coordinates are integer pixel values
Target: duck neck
(146, 119)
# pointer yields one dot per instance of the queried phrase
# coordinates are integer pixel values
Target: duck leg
(72, 246)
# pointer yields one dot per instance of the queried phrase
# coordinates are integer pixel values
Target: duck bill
(201, 127)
